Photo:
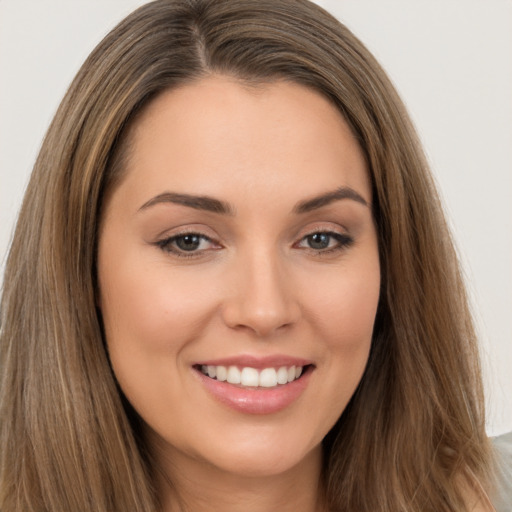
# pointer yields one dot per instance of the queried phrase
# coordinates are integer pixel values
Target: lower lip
(256, 400)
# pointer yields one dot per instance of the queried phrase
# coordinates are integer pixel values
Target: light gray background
(450, 59)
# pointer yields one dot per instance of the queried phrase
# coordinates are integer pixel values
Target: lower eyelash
(344, 241)
(166, 245)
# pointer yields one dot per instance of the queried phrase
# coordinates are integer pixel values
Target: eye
(325, 241)
(187, 244)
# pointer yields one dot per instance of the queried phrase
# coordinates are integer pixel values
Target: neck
(188, 485)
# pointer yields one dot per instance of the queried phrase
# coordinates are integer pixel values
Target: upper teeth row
(267, 378)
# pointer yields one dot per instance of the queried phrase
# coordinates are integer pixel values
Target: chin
(262, 458)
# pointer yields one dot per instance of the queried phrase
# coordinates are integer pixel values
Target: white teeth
(250, 377)
(222, 373)
(268, 378)
(282, 375)
(233, 376)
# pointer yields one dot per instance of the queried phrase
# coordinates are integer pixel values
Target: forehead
(220, 137)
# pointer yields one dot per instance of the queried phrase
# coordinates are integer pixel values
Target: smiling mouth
(248, 377)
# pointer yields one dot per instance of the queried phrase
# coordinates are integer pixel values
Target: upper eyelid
(201, 234)
(341, 238)
(334, 228)
(170, 234)
(168, 245)
(205, 233)
(167, 240)
(170, 238)
(323, 230)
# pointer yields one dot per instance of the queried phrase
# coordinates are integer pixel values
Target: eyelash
(343, 242)
(166, 244)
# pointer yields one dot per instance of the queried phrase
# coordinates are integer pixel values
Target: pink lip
(256, 400)
(241, 361)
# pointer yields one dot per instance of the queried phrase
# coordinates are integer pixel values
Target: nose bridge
(262, 298)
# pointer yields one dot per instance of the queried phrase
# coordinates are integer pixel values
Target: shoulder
(476, 499)
(502, 498)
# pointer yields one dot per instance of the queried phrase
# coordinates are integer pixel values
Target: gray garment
(503, 499)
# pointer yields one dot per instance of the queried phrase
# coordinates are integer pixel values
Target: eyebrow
(207, 203)
(214, 205)
(327, 198)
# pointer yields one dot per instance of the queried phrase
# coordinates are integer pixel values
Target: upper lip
(257, 362)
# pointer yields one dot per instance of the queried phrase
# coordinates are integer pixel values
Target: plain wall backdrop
(451, 61)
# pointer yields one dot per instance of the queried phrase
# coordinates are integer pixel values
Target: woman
(231, 284)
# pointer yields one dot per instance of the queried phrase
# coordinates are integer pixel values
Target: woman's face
(238, 252)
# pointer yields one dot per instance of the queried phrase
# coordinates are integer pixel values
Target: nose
(261, 297)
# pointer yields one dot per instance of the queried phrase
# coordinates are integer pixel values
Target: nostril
(260, 322)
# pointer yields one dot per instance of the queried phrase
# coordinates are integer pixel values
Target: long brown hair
(67, 439)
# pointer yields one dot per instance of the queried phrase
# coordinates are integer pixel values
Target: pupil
(319, 241)
(188, 242)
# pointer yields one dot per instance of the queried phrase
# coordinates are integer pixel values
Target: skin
(255, 285)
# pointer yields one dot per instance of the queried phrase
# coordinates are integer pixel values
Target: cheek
(147, 305)
(150, 315)
(344, 317)
(345, 308)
